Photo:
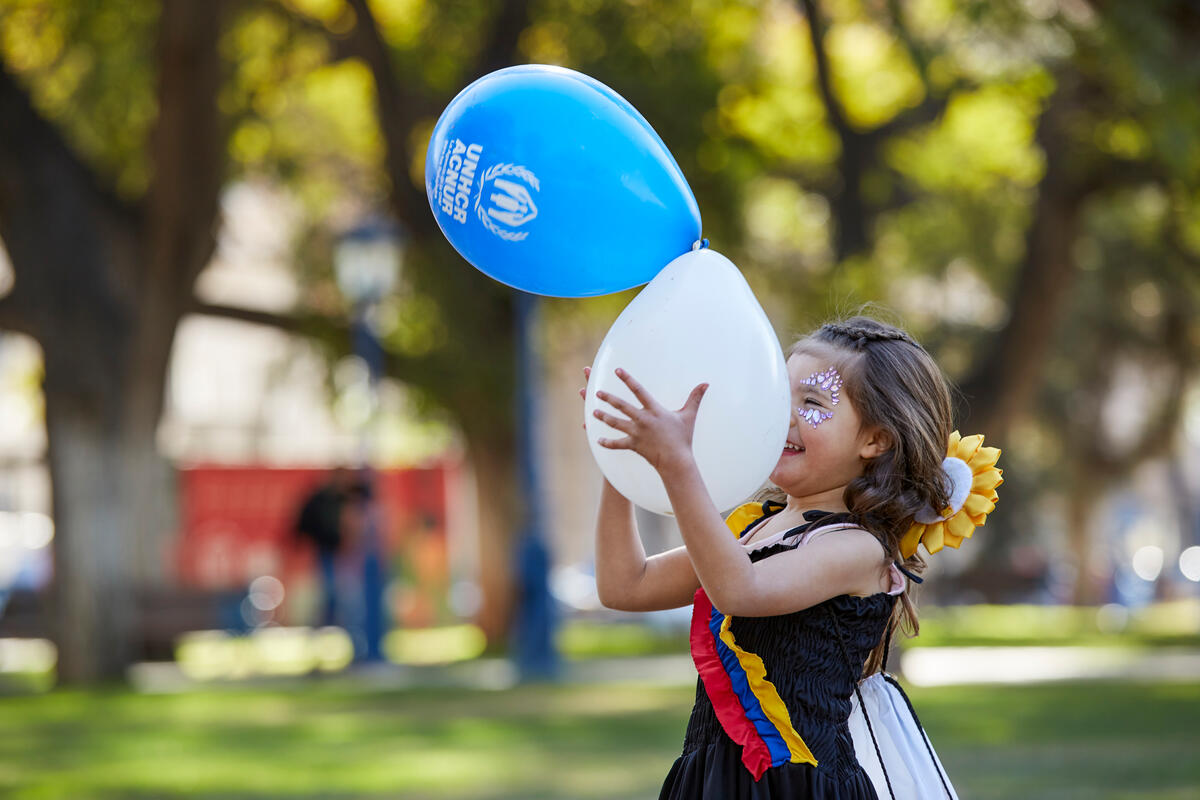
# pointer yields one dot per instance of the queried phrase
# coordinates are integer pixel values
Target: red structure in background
(237, 523)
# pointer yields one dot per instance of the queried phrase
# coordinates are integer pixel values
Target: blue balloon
(549, 181)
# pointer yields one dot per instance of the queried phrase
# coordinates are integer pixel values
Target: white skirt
(912, 765)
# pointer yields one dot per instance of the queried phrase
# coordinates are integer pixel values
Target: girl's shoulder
(870, 540)
(860, 542)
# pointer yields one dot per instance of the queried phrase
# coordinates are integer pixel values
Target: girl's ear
(875, 442)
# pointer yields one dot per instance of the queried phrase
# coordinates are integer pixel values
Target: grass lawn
(1052, 741)
(1171, 624)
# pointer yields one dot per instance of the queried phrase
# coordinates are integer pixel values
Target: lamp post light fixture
(367, 261)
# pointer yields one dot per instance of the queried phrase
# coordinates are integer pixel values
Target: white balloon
(696, 322)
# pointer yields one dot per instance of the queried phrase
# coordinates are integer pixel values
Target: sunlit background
(219, 280)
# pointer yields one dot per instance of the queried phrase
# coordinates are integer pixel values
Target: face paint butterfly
(829, 381)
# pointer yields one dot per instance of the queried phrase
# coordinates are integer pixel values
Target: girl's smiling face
(825, 446)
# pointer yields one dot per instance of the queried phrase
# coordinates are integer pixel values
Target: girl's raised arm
(625, 579)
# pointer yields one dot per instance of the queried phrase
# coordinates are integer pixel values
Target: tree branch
(858, 152)
(859, 149)
(925, 113)
(401, 107)
(396, 118)
(304, 324)
(187, 150)
(418, 370)
(501, 47)
(816, 37)
(916, 53)
(339, 45)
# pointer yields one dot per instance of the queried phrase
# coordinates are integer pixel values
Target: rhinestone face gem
(830, 381)
(814, 416)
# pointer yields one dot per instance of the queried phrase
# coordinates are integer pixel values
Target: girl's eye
(814, 402)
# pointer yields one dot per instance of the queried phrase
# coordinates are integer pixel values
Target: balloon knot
(699, 244)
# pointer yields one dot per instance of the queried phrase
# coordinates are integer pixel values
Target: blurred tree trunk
(479, 388)
(101, 286)
(1101, 463)
(1005, 380)
(1082, 496)
(498, 494)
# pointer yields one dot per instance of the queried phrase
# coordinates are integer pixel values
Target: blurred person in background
(321, 520)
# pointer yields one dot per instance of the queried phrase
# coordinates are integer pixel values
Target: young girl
(787, 613)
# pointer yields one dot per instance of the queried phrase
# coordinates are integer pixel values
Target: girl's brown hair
(896, 386)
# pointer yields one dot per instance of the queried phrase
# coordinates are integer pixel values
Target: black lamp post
(367, 261)
(533, 634)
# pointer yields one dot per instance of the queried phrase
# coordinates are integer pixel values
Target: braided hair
(861, 330)
(896, 386)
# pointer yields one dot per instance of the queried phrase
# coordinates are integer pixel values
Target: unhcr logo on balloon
(604, 169)
(509, 203)
(456, 175)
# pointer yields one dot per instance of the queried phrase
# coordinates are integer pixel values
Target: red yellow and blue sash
(747, 705)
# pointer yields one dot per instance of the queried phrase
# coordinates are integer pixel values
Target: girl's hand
(661, 436)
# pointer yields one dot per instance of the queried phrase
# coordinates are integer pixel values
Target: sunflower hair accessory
(972, 474)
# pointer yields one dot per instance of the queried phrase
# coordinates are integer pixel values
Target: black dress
(812, 659)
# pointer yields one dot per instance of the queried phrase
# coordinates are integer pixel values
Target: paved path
(941, 666)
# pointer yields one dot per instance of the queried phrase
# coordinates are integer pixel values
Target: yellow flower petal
(933, 537)
(986, 481)
(968, 446)
(952, 540)
(978, 504)
(912, 538)
(984, 458)
(955, 438)
(960, 525)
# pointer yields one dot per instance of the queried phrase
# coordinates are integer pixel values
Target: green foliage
(983, 143)
(89, 65)
(297, 117)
